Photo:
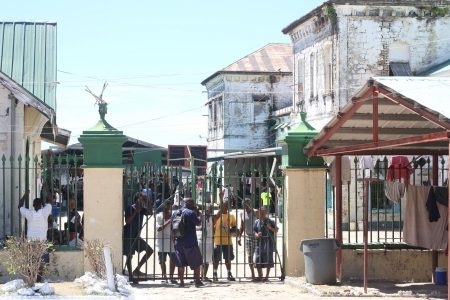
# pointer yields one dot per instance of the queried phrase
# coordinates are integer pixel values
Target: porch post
(102, 187)
(434, 253)
(448, 223)
(338, 164)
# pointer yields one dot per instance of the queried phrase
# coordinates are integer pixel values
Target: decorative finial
(102, 104)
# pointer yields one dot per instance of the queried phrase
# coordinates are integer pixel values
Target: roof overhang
(222, 72)
(55, 135)
(269, 152)
(27, 98)
(390, 115)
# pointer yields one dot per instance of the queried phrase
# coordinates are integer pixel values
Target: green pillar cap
(102, 143)
(295, 141)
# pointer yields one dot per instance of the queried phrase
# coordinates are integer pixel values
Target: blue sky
(154, 54)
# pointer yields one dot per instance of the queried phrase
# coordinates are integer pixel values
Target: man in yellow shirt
(266, 198)
(224, 228)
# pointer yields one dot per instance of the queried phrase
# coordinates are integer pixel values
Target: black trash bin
(320, 260)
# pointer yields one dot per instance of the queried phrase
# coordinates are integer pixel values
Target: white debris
(13, 286)
(18, 288)
(46, 290)
(25, 292)
(93, 285)
(123, 286)
(405, 293)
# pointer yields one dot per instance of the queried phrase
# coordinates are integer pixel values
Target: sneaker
(230, 277)
(199, 283)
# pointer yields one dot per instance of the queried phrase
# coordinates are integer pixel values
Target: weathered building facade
(27, 110)
(341, 44)
(247, 99)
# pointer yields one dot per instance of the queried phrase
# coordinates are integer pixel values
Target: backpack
(178, 226)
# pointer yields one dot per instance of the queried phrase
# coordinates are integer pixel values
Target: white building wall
(13, 136)
(362, 42)
(247, 102)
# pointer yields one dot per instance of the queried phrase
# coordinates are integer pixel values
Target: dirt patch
(68, 289)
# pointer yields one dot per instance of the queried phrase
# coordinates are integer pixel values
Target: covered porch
(392, 116)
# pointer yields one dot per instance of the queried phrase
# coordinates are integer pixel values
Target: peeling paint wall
(334, 57)
(240, 107)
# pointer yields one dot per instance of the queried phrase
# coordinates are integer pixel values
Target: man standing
(164, 241)
(37, 222)
(266, 198)
(224, 227)
(247, 223)
(265, 230)
(134, 216)
(187, 252)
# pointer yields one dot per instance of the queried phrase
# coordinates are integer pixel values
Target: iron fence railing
(232, 182)
(58, 177)
(385, 217)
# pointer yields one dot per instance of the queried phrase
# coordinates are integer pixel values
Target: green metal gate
(231, 182)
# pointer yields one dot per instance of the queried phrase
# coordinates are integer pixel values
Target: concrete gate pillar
(305, 190)
(102, 186)
(305, 219)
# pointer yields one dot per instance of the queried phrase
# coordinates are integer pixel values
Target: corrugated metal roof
(431, 92)
(28, 56)
(272, 58)
(422, 95)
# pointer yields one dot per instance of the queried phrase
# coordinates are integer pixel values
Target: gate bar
(434, 253)
(338, 164)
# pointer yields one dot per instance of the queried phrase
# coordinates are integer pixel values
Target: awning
(400, 68)
(390, 115)
(248, 154)
(55, 135)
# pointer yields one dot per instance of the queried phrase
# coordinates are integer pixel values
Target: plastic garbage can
(320, 260)
(441, 276)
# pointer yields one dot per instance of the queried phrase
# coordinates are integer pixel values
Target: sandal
(138, 274)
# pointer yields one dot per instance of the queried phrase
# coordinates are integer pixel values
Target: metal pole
(434, 253)
(338, 165)
(448, 223)
(366, 226)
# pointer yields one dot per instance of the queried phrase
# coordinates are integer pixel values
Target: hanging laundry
(367, 163)
(400, 168)
(345, 171)
(394, 190)
(417, 230)
(437, 194)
